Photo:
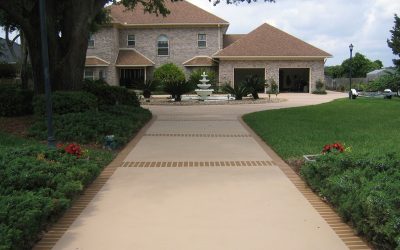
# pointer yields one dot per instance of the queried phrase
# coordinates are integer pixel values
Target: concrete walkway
(198, 179)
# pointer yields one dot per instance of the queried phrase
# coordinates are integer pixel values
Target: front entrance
(132, 77)
(240, 74)
(294, 79)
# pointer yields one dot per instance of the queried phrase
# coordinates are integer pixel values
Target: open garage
(294, 79)
(241, 74)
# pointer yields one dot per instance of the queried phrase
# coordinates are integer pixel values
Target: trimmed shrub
(15, 101)
(66, 102)
(92, 126)
(364, 189)
(111, 95)
(177, 88)
(169, 72)
(8, 70)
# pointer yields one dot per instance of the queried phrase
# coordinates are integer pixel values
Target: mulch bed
(16, 125)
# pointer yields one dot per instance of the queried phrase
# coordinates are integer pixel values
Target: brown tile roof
(268, 41)
(93, 61)
(182, 12)
(130, 57)
(205, 61)
(229, 39)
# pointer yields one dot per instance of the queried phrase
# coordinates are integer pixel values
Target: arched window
(163, 45)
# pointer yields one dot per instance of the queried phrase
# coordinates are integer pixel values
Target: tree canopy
(394, 42)
(360, 65)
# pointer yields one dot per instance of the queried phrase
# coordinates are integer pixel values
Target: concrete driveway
(198, 179)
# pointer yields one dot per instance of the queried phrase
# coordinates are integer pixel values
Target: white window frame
(162, 38)
(90, 76)
(131, 40)
(202, 40)
(91, 39)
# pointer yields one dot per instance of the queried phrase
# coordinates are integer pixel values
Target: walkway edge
(343, 231)
(58, 229)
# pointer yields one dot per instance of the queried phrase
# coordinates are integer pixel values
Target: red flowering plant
(333, 148)
(72, 149)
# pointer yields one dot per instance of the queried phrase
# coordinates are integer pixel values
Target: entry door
(131, 78)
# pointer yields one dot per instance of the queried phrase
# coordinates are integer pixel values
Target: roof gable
(268, 41)
(182, 12)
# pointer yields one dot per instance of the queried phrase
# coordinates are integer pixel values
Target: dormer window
(131, 41)
(163, 45)
(202, 40)
(91, 41)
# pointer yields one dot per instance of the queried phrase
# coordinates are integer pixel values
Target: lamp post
(45, 62)
(351, 59)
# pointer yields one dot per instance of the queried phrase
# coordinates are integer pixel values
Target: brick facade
(226, 69)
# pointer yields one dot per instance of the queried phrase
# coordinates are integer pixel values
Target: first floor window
(131, 41)
(202, 40)
(162, 46)
(102, 74)
(91, 41)
(89, 74)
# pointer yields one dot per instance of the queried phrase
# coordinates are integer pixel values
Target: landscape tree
(394, 42)
(360, 66)
(69, 23)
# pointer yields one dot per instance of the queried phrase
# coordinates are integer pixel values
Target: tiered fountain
(204, 92)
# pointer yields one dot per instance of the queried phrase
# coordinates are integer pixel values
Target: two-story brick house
(135, 43)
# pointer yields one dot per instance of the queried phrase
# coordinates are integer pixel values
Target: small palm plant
(148, 87)
(274, 89)
(238, 91)
(177, 88)
(254, 83)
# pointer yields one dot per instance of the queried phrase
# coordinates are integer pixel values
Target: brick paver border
(58, 229)
(174, 164)
(344, 231)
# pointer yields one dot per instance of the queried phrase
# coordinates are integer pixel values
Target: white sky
(330, 25)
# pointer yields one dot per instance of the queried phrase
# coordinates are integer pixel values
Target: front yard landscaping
(363, 182)
(39, 184)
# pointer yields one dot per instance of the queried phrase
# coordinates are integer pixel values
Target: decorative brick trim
(173, 164)
(197, 135)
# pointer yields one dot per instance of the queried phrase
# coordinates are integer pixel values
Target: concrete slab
(166, 148)
(199, 208)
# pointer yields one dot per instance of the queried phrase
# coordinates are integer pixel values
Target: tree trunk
(24, 62)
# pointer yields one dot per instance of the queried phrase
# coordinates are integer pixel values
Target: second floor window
(131, 41)
(91, 41)
(202, 40)
(162, 46)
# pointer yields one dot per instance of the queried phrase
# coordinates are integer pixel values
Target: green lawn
(366, 125)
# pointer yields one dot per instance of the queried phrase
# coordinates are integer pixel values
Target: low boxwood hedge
(365, 190)
(15, 101)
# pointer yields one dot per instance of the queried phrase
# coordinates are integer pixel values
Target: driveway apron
(198, 179)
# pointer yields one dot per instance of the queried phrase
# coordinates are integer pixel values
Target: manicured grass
(366, 125)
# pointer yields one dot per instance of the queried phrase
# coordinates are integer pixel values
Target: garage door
(294, 79)
(240, 74)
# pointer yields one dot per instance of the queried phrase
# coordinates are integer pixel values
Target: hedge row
(365, 190)
(14, 100)
(92, 126)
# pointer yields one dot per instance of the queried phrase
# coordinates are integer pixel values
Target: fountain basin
(204, 86)
(204, 93)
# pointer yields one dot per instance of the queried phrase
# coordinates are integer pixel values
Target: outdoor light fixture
(351, 58)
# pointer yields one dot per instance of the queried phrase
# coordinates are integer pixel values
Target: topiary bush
(169, 72)
(66, 102)
(319, 88)
(15, 101)
(111, 95)
(364, 189)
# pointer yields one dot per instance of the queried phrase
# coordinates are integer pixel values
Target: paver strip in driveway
(164, 196)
